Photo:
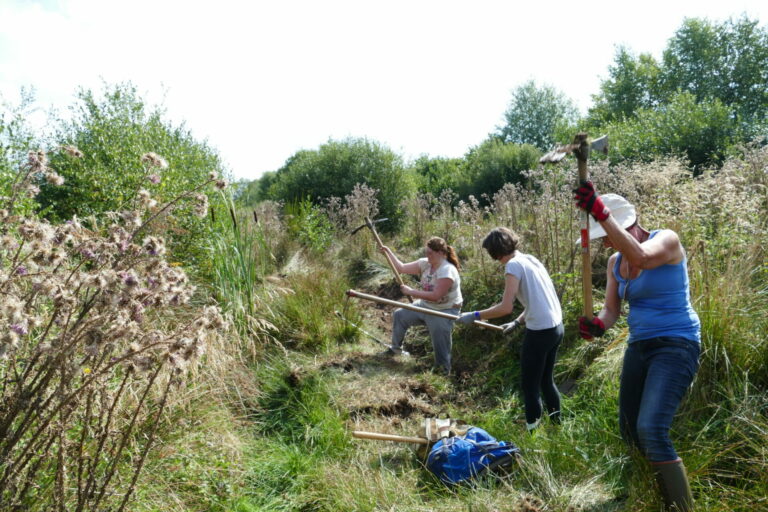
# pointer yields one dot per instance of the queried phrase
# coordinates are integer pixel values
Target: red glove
(589, 329)
(587, 199)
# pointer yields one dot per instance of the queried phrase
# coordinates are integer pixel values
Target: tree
(16, 140)
(633, 84)
(700, 132)
(727, 61)
(537, 116)
(114, 145)
(494, 163)
(250, 193)
(438, 174)
(336, 167)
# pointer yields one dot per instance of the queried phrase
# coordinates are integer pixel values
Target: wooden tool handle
(398, 278)
(433, 312)
(586, 261)
(388, 437)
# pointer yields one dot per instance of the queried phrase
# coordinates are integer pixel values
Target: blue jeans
(655, 376)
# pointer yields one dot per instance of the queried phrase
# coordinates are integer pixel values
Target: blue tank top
(659, 302)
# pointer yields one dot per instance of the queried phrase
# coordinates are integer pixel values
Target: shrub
(334, 170)
(119, 138)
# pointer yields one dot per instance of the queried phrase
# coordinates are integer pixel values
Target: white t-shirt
(536, 292)
(429, 280)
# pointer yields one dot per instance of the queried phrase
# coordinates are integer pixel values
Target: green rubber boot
(675, 489)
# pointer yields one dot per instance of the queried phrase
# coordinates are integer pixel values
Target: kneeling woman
(527, 280)
(440, 290)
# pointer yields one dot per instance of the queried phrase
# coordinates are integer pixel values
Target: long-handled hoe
(427, 311)
(581, 147)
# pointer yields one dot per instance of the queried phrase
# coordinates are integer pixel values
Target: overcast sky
(260, 80)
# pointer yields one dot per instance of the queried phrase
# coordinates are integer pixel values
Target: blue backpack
(460, 458)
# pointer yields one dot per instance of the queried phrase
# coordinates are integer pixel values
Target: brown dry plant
(87, 368)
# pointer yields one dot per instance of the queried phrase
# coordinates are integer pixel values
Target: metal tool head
(358, 228)
(600, 144)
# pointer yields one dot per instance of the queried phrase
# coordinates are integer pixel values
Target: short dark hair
(501, 242)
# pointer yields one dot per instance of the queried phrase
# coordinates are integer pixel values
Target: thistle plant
(87, 362)
(351, 212)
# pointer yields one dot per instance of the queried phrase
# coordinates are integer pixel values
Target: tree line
(705, 98)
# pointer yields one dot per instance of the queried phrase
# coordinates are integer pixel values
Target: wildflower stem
(124, 439)
(150, 441)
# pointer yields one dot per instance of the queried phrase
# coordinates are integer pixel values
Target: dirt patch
(402, 408)
(419, 389)
(389, 290)
(346, 362)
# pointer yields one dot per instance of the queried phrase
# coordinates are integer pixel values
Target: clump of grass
(241, 259)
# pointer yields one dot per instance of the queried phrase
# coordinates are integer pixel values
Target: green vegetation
(539, 116)
(104, 152)
(316, 379)
(120, 377)
(336, 167)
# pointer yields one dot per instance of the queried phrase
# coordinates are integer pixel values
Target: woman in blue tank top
(649, 271)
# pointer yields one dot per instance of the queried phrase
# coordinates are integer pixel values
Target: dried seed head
(154, 160)
(54, 179)
(154, 246)
(72, 151)
(37, 160)
(201, 205)
(132, 219)
(145, 199)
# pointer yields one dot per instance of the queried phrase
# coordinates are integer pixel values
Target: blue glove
(467, 318)
(510, 327)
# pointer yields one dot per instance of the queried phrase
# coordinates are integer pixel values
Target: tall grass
(241, 258)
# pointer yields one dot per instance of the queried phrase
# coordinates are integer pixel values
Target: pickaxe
(370, 224)
(581, 147)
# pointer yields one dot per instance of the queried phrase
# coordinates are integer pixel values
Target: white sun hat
(621, 209)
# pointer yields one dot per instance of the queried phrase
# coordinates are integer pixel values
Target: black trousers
(537, 360)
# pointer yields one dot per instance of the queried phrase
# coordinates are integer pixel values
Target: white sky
(260, 80)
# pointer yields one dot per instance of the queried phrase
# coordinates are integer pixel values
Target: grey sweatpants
(440, 330)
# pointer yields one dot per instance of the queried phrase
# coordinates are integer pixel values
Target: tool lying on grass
(388, 437)
(581, 148)
(374, 338)
(370, 224)
(433, 429)
(433, 312)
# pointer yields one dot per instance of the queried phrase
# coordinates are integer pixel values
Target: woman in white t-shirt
(440, 289)
(527, 280)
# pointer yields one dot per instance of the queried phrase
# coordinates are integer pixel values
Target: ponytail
(438, 244)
